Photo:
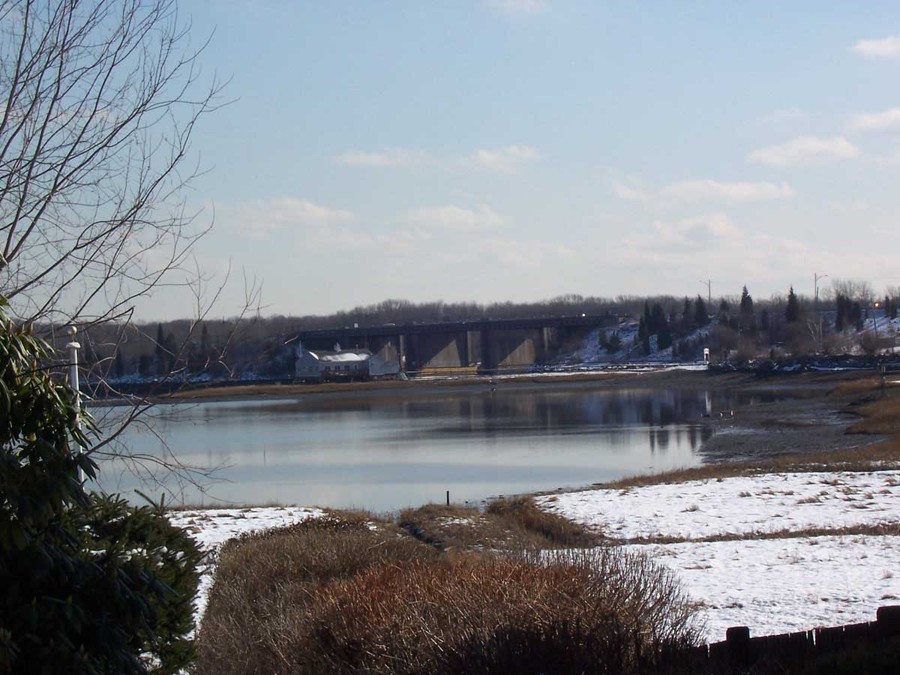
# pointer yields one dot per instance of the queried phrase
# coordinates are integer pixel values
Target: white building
(341, 364)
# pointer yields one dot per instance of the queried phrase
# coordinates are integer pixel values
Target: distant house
(341, 364)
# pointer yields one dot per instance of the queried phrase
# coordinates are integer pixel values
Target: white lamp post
(73, 348)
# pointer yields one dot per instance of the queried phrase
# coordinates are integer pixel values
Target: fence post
(888, 618)
(737, 638)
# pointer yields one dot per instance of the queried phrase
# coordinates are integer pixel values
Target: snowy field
(213, 527)
(772, 585)
(736, 506)
(783, 585)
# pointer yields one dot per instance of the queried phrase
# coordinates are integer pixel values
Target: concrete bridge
(487, 344)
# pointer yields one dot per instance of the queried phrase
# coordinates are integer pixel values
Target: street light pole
(816, 279)
(73, 348)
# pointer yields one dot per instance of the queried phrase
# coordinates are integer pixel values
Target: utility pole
(816, 279)
(708, 284)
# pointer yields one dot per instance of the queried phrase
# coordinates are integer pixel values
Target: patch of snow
(782, 585)
(211, 528)
(739, 505)
(771, 585)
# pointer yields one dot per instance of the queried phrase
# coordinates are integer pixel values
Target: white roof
(344, 357)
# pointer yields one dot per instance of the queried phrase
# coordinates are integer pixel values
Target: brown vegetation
(514, 524)
(356, 595)
(881, 416)
(265, 581)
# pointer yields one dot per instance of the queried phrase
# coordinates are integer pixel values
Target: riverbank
(812, 544)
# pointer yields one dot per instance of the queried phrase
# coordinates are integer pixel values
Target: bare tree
(99, 99)
(98, 102)
(853, 289)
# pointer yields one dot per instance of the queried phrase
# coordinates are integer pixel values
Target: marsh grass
(510, 524)
(880, 530)
(264, 582)
(361, 596)
(880, 416)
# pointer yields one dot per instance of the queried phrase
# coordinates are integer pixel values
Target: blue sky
(494, 150)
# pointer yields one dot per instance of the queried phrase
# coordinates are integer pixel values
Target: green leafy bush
(88, 584)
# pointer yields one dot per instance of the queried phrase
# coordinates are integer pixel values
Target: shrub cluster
(356, 597)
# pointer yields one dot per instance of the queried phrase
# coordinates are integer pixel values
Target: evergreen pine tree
(724, 310)
(657, 319)
(644, 336)
(159, 352)
(746, 303)
(665, 336)
(842, 303)
(701, 314)
(856, 315)
(792, 311)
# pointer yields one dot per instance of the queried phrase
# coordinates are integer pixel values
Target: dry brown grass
(554, 531)
(512, 524)
(265, 581)
(856, 387)
(882, 530)
(357, 601)
(879, 416)
(611, 614)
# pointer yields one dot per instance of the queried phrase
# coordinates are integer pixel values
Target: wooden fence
(804, 651)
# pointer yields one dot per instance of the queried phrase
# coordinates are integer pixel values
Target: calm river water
(387, 450)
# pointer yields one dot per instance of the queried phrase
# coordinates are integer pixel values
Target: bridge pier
(492, 343)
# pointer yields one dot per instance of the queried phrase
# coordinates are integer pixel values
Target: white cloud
(457, 218)
(886, 120)
(526, 254)
(884, 48)
(518, 6)
(706, 190)
(783, 115)
(504, 159)
(397, 242)
(627, 192)
(804, 150)
(695, 231)
(391, 158)
(258, 219)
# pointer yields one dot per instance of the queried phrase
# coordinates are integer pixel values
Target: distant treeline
(263, 346)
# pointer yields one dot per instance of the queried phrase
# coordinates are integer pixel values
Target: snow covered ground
(739, 506)
(771, 585)
(783, 585)
(213, 527)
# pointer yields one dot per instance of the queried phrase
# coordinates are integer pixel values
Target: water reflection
(389, 450)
